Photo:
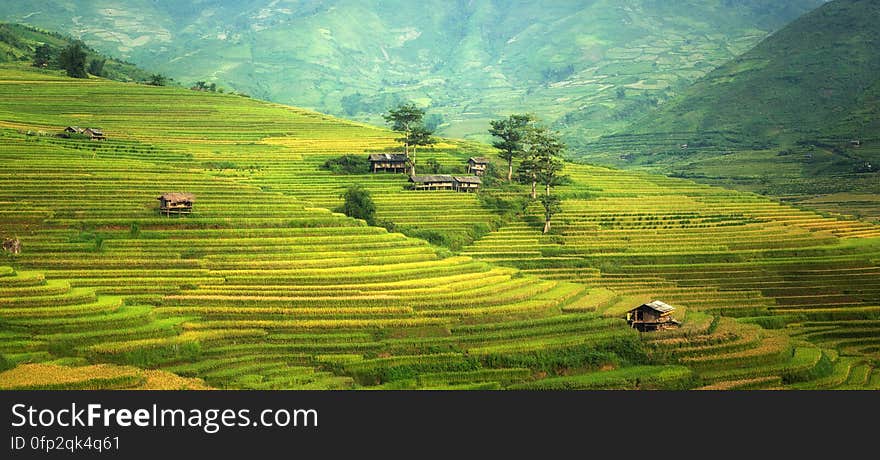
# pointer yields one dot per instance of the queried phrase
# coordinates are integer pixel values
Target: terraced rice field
(708, 250)
(265, 287)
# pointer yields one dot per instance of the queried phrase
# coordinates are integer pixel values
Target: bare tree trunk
(534, 189)
(510, 170)
(412, 162)
(547, 226)
(547, 189)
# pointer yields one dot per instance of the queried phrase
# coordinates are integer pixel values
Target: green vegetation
(470, 62)
(409, 120)
(511, 135)
(779, 120)
(347, 164)
(73, 60)
(264, 287)
(47, 50)
(359, 204)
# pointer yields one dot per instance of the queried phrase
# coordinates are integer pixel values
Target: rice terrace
(177, 237)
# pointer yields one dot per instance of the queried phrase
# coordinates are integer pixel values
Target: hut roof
(431, 178)
(395, 157)
(73, 129)
(479, 160)
(95, 131)
(177, 197)
(468, 179)
(657, 306)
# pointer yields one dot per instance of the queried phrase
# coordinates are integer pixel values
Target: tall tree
(403, 119)
(409, 120)
(43, 55)
(419, 136)
(511, 132)
(73, 60)
(546, 149)
(551, 208)
(527, 173)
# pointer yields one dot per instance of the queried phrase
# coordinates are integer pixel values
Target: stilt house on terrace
(467, 183)
(652, 316)
(477, 165)
(446, 182)
(388, 162)
(176, 203)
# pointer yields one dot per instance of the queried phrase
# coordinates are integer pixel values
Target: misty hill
(592, 66)
(786, 112)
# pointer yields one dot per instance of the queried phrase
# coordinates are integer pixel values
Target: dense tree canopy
(73, 60)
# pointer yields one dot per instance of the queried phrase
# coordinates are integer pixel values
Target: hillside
(18, 44)
(265, 287)
(590, 66)
(778, 119)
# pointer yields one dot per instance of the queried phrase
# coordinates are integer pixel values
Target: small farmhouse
(176, 203)
(855, 143)
(388, 162)
(652, 316)
(91, 133)
(95, 134)
(432, 182)
(477, 165)
(446, 182)
(466, 183)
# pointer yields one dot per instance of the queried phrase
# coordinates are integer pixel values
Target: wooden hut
(477, 165)
(467, 183)
(432, 182)
(652, 316)
(176, 203)
(73, 130)
(388, 162)
(94, 133)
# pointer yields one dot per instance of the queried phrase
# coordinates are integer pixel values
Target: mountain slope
(591, 66)
(263, 287)
(785, 110)
(18, 44)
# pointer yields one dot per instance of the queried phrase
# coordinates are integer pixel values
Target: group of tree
(539, 154)
(204, 86)
(409, 120)
(73, 59)
(157, 79)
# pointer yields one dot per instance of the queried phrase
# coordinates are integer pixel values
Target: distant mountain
(785, 112)
(590, 66)
(18, 44)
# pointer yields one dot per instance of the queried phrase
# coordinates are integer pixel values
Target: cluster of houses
(399, 163)
(91, 133)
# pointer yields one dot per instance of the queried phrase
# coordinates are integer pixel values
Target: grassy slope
(18, 44)
(778, 119)
(264, 288)
(470, 60)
